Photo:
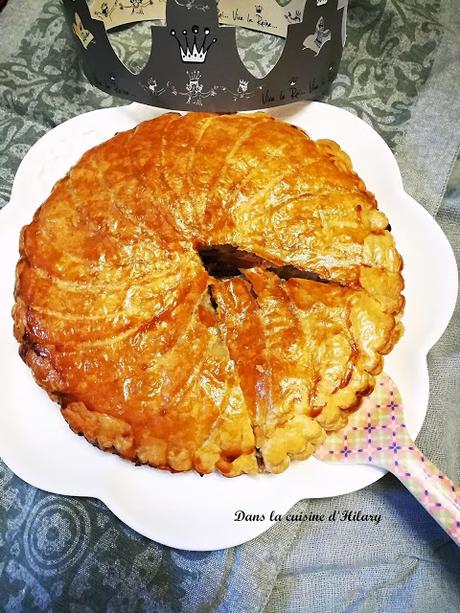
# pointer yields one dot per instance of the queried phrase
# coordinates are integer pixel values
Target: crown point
(207, 31)
(173, 32)
(195, 29)
(184, 32)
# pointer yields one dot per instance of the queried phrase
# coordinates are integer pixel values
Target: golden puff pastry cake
(208, 292)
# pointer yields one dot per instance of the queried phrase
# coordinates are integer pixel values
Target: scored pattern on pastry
(208, 292)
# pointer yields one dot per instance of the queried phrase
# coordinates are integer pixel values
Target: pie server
(377, 435)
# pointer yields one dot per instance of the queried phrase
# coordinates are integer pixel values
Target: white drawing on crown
(315, 41)
(241, 92)
(193, 54)
(81, 32)
(321, 2)
(242, 87)
(194, 89)
(153, 87)
(193, 4)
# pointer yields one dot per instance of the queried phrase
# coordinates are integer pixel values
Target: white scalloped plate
(185, 510)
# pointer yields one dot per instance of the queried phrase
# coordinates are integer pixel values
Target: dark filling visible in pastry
(224, 261)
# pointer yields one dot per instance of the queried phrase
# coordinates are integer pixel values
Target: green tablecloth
(401, 73)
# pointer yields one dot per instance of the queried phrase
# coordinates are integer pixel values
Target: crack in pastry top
(208, 292)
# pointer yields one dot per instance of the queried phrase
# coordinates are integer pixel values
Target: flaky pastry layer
(151, 357)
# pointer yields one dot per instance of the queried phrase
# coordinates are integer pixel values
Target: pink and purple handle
(376, 434)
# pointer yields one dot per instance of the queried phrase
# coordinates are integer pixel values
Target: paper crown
(194, 63)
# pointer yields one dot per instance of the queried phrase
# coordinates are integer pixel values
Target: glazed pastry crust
(151, 357)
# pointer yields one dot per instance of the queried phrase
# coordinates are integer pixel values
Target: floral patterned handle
(377, 435)
(432, 488)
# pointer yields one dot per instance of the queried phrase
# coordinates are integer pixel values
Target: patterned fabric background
(69, 554)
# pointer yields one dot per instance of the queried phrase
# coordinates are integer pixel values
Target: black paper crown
(193, 38)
